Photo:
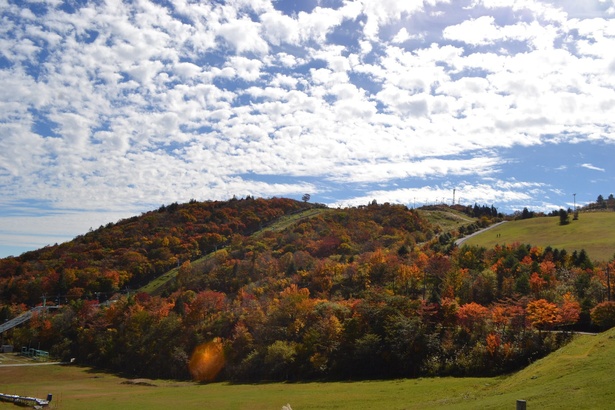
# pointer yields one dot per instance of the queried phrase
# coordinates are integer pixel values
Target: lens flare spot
(206, 361)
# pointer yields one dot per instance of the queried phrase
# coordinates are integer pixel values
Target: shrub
(603, 315)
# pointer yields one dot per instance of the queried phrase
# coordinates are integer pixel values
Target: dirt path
(29, 364)
(16, 360)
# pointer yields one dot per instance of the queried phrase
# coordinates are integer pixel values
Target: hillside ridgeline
(370, 292)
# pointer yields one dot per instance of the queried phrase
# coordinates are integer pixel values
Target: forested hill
(281, 289)
(132, 251)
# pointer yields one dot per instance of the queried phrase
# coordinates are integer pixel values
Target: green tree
(563, 217)
(280, 359)
(600, 202)
(603, 315)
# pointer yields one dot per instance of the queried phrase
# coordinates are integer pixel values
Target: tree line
(354, 293)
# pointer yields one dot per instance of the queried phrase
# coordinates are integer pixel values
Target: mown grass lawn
(594, 232)
(578, 376)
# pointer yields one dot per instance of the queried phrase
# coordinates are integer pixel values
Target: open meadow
(578, 376)
(592, 232)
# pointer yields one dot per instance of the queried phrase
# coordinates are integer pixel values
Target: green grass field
(578, 376)
(594, 232)
(447, 219)
(289, 220)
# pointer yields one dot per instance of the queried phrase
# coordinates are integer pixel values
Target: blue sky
(109, 109)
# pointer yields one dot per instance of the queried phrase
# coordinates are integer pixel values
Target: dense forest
(369, 292)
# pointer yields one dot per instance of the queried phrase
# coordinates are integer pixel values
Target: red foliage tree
(570, 311)
(472, 316)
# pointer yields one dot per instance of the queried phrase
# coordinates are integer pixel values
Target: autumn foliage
(367, 292)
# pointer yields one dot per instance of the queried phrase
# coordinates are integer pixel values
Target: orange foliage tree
(472, 316)
(542, 314)
(493, 342)
(570, 310)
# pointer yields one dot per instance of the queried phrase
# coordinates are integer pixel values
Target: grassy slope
(157, 285)
(289, 220)
(592, 232)
(447, 219)
(577, 376)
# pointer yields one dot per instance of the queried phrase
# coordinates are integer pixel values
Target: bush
(603, 315)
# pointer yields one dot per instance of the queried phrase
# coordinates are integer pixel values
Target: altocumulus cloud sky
(110, 108)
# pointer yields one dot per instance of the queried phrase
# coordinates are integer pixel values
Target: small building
(6, 349)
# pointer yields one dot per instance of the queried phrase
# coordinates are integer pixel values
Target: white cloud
(401, 36)
(132, 104)
(247, 69)
(244, 36)
(484, 31)
(279, 28)
(187, 70)
(316, 25)
(286, 81)
(584, 9)
(36, 231)
(382, 12)
(487, 194)
(592, 167)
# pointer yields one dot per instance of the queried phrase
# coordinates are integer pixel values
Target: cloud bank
(110, 108)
